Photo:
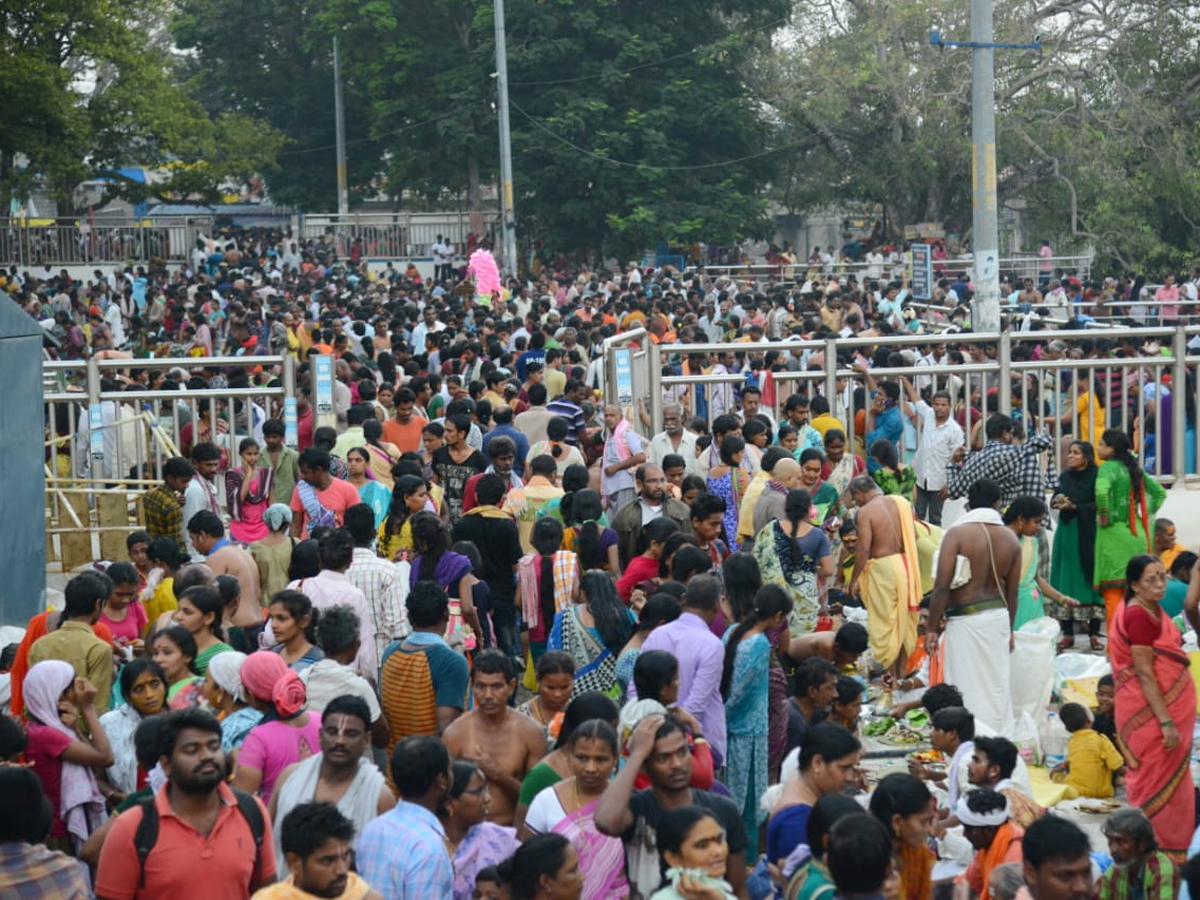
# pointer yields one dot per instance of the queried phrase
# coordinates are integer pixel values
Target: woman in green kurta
(892, 476)
(1126, 501)
(1073, 557)
(1024, 517)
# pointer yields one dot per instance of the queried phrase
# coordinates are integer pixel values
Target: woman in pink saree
(1156, 706)
(568, 808)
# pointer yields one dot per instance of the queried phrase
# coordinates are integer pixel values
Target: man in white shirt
(443, 259)
(939, 436)
(934, 356)
(201, 492)
(674, 438)
(332, 587)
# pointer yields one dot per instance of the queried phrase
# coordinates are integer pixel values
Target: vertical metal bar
(1004, 354)
(1178, 406)
(654, 376)
(831, 364)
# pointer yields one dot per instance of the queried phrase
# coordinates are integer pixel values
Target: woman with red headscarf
(288, 733)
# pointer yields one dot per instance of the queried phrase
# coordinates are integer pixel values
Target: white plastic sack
(1032, 675)
(1078, 665)
(1025, 736)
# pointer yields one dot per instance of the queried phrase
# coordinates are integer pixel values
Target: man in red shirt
(404, 429)
(204, 838)
(319, 498)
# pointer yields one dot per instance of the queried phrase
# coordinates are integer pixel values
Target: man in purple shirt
(701, 658)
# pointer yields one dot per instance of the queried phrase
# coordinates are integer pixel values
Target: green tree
(89, 88)
(634, 121)
(271, 60)
(1096, 135)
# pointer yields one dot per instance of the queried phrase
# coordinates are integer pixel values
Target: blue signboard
(624, 366)
(323, 385)
(291, 434)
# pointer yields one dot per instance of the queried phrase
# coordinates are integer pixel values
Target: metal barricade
(69, 242)
(105, 446)
(1152, 398)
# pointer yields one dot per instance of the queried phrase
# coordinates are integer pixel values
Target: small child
(848, 703)
(1102, 715)
(1092, 760)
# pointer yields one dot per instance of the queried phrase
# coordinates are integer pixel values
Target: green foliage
(89, 88)
(1097, 135)
(627, 115)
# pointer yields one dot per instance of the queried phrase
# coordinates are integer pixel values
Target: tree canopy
(90, 86)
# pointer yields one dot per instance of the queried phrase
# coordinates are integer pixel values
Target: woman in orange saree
(1156, 706)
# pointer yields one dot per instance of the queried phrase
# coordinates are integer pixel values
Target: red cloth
(1159, 780)
(640, 568)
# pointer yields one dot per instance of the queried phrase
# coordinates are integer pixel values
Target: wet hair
(731, 445)
(134, 669)
(583, 708)
(1024, 507)
(1135, 569)
(494, 662)
(208, 601)
(674, 826)
(1000, 752)
(694, 483)
(813, 673)
(542, 854)
(983, 494)
(828, 741)
(956, 719)
(852, 638)
(181, 638)
(83, 593)
(859, 853)
(307, 826)
(1088, 451)
(299, 607)
(168, 552)
(123, 573)
(771, 600)
(652, 672)
(688, 561)
(461, 773)
(899, 794)
(1122, 452)
(431, 542)
(848, 690)
(597, 730)
(608, 612)
(825, 812)
(1053, 837)
(555, 662)
(742, 579)
(305, 562)
(416, 763)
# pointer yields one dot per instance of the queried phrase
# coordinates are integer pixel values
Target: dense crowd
(484, 636)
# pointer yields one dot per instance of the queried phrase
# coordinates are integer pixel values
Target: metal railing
(1154, 399)
(1020, 267)
(402, 235)
(68, 242)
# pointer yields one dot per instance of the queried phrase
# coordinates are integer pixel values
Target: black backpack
(146, 835)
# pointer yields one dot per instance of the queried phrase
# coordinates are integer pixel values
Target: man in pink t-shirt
(1167, 297)
(319, 498)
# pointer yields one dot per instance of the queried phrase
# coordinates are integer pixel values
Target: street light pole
(985, 241)
(508, 222)
(340, 131)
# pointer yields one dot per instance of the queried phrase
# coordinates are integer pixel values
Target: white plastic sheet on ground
(1078, 665)
(1032, 675)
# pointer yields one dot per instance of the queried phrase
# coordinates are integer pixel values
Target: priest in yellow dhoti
(886, 572)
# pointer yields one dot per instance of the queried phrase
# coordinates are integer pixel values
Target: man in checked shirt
(1017, 467)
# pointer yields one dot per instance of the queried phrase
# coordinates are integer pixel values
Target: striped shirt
(420, 674)
(402, 855)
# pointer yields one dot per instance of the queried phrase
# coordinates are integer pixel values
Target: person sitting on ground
(954, 735)
(816, 688)
(1139, 868)
(842, 647)
(997, 840)
(828, 761)
(1092, 760)
(992, 764)
(847, 705)
(1106, 701)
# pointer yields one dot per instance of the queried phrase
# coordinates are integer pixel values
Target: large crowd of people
(483, 636)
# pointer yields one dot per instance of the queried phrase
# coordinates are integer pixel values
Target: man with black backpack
(195, 831)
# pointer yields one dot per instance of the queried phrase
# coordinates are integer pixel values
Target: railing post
(831, 375)
(93, 381)
(1004, 388)
(654, 374)
(1178, 406)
